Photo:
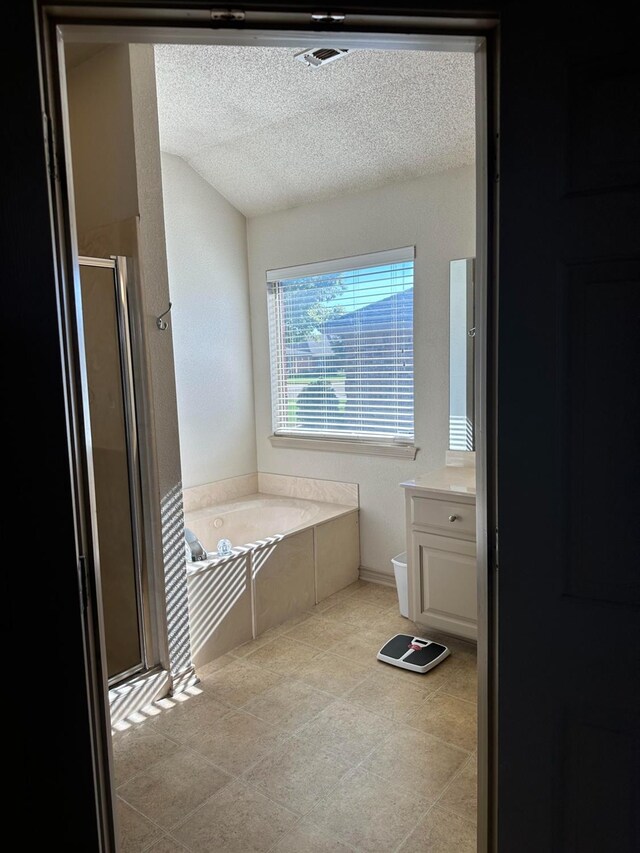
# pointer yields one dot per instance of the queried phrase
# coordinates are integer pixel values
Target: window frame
(365, 444)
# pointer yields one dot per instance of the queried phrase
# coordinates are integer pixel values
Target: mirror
(461, 354)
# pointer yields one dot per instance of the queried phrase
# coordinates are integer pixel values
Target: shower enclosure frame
(138, 22)
(122, 275)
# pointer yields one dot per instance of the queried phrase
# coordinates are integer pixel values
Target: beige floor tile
(461, 795)
(377, 594)
(390, 622)
(439, 677)
(287, 682)
(461, 678)
(238, 819)
(214, 665)
(135, 831)
(448, 718)
(359, 614)
(173, 787)
(237, 683)
(395, 700)
(291, 623)
(362, 646)
(341, 595)
(283, 655)
(307, 838)
(332, 673)
(423, 681)
(266, 637)
(237, 741)
(138, 748)
(441, 832)
(416, 761)
(321, 633)
(246, 648)
(297, 773)
(289, 704)
(365, 811)
(183, 717)
(347, 729)
(166, 845)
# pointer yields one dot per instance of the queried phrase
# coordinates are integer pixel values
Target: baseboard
(130, 697)
(375, 576)
(184, 680)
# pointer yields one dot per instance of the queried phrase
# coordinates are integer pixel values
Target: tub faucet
(194, 545)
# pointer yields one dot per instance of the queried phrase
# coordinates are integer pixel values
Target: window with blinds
(341, 335)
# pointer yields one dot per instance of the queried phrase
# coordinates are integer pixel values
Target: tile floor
(286, 745)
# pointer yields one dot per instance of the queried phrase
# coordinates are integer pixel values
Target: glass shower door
(115, 461)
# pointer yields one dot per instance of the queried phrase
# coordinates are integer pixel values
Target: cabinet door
(447, 571)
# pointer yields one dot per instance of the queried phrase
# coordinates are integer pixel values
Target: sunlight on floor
(302, 741)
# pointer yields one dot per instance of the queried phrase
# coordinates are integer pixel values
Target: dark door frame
(133, 22)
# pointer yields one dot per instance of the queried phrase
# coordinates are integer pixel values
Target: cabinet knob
(453, 518)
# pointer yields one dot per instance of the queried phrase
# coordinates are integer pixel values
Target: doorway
(481, 253)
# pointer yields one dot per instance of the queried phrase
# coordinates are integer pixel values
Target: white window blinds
(341, 335)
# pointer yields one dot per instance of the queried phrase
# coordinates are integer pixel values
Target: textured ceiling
(269, 133)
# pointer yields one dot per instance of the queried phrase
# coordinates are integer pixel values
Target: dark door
(569, 435)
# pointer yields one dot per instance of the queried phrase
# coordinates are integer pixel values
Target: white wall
(207, 257)
(437, 215)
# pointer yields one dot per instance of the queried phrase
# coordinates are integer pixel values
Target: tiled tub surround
(210, 494)
(305, 488)
(294, 554)
(290, 745)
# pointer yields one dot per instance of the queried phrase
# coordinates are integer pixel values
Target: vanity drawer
(456, 519)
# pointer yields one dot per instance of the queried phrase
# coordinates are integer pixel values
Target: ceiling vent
(320, 56)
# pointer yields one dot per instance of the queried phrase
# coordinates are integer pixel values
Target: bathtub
(251, 521)
(287, 555)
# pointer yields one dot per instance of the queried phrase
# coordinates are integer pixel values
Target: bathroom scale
(414, 653)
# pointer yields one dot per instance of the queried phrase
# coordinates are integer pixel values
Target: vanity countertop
(449, 480)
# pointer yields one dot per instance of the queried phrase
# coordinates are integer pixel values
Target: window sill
(333, 445)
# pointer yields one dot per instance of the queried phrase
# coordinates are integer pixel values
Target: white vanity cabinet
(441, 550)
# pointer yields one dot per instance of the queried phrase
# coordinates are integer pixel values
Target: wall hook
(160, 323)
